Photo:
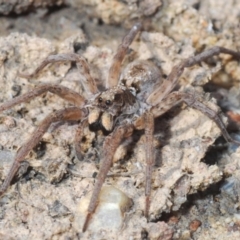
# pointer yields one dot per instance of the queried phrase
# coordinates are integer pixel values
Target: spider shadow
(164, 134)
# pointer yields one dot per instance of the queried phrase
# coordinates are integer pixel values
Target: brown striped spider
(126, 104)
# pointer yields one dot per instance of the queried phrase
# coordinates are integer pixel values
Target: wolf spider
(120, 109)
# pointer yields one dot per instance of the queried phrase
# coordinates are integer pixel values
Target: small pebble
(228, 220)
(194, 225)
(110, 212)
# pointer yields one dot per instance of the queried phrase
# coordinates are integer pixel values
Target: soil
(195, 186)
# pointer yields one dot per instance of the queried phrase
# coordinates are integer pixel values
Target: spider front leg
(193, 101)
(82, 65)
(67, 114)
(114, 71)
(110, 146)
(199, 104)
(168, 85)
(150, 158)
(63, 92)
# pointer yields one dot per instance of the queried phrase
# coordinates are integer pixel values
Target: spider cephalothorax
(109, 105)
(127, 104)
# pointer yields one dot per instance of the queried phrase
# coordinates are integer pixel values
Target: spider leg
(110, 145)
(167, 103)
(114, 71)
(150, 160)
(167, 86)
(193, 101)
(72, 113)
(89, 83)
(59, 90)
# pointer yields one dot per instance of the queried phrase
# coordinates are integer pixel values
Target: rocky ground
(195, 192)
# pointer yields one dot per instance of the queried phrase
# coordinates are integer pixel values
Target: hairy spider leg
(67, 114)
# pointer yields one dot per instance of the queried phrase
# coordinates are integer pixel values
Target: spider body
(127, 104)
(106, 108)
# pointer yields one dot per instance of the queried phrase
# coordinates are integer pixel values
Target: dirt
(195, 192)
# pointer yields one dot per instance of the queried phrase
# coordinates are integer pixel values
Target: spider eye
(108, 102)
(100, 100)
